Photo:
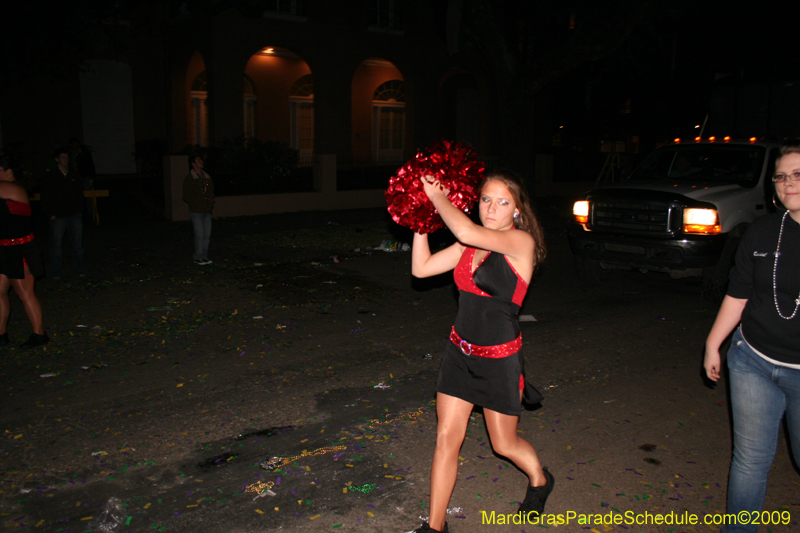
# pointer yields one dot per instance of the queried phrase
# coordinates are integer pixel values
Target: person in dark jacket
(62, 201)
(82, 162)
(198, 192)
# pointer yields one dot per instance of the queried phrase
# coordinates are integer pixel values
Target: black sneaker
(35, 340)
(4, 339)
(428, 529)
(537, 496)
(207, 261)
(200, 262)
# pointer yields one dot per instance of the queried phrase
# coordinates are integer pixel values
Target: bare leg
(453, 416)
(507, 442)
(24, 290)
(5, 307)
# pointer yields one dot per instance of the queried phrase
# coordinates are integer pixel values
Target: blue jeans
(73, 227)
(202, 234)
(761, 392)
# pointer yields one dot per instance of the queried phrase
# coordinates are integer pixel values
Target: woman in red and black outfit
(20, 261)
(483, 363)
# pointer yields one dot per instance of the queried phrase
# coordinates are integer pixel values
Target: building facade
(367, 81)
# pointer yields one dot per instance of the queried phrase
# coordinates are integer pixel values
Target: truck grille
(631, 216)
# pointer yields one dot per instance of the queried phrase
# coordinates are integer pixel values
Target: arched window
(199, 117)
(301, 100)
(388, 122)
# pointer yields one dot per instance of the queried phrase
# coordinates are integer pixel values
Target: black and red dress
(483, 361)
(17, 246)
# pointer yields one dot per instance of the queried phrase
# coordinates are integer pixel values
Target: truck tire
(715, 278)
(588, 269)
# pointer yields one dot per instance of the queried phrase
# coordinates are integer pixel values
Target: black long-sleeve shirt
(751, 279)
(62, 195)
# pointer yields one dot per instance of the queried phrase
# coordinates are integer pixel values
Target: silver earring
(516, 215)
(775, 202)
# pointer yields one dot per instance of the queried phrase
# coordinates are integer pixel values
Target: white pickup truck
(682, 211)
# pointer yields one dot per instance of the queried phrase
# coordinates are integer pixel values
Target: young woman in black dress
(483, 362)
(20, 260)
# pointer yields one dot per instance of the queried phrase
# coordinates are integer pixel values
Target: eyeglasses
(780, 178)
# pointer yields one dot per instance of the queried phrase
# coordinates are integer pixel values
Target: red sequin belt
(13, 242)
(493, 352)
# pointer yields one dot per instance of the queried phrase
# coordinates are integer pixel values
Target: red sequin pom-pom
(454, 164)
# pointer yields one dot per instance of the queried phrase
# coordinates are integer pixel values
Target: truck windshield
(725, 163)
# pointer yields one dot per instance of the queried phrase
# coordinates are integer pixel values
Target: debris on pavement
(112, 518)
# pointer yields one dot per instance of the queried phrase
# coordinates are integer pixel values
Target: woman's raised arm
(517, 245)
(424, 264)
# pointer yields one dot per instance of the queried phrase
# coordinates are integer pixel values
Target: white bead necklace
(775, 276)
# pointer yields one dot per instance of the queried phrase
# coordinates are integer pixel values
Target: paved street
(166, 384)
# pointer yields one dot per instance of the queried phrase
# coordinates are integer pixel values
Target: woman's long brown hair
(527, 220)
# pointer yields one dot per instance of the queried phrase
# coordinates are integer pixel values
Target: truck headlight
(581, 211)
(701, 221)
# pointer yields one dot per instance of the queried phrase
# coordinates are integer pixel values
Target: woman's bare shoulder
(518, 243)
(12, 191)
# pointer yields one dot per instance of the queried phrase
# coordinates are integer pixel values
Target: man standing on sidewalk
(81, 161)
(198, 192)
(62, 201)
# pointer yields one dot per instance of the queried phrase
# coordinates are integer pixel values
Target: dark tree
(530, 45)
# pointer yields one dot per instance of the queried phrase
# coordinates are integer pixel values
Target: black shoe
(35, 340)
(4, 339)
(207, 261)
(537, 496)
(428, 529)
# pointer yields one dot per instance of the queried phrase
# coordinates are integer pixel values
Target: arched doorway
(198, 117)
(301, 104)
(284, 87)
(197, 101)
(378, 114)
(249, 105)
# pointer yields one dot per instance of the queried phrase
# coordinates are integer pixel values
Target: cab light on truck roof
(712, 138)
(753, 139)
(727, 138)
(701, 221)
(676, 140)
(581, 211)
(698, 139)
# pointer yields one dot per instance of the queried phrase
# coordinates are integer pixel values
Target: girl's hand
(712, 364)
(433, 187)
